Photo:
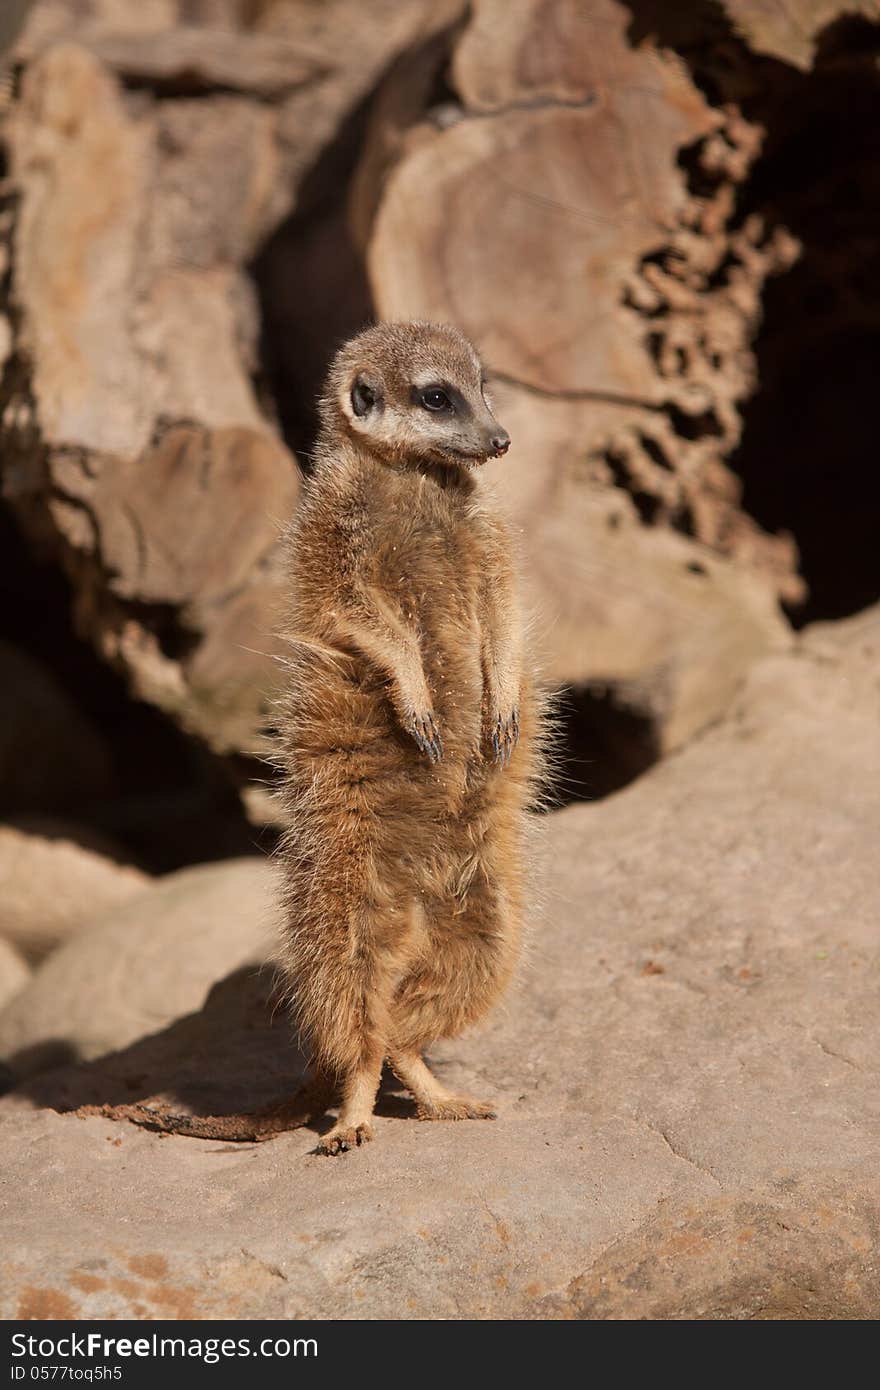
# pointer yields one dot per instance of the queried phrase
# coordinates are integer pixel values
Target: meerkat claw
(340, 1140)
(505, 736)
(427, 736)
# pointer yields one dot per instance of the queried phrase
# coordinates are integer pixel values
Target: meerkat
(410, 728)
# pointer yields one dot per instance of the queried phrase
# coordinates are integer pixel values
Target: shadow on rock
(232, 1071)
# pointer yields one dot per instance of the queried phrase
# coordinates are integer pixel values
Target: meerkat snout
(500, 443)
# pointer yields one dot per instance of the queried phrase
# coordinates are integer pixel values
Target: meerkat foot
(359, 1089)
(457, 1108)
(341, 1138)
(433, 1100)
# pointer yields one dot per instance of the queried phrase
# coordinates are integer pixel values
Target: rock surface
(14, 972)
(51, 887)
(687, 1079)
(141, 966)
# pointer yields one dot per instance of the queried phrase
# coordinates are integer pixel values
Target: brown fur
(410, 728)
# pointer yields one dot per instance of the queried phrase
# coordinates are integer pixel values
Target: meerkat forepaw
(423, 729)
(344, 1137)
(505, 736)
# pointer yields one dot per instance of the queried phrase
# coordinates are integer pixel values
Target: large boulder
(51, 886)
(142, 965)
(14, 972)
(686, 1081)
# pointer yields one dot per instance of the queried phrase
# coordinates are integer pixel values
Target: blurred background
(659, 224)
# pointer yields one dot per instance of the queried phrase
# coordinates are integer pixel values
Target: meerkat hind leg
(433, 1099)
(357, 1027)
(358, 1098)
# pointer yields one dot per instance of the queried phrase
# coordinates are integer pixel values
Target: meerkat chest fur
(403, 548)
(430, 560)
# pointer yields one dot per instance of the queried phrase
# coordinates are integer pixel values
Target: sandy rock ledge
(687, 1080)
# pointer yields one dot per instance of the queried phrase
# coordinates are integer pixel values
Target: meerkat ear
(365, 396)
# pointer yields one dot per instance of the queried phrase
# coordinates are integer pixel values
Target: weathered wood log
(148, 164)
(12, 18)
(576, 215)
(563, 189)
(132, 429)
(790, 31)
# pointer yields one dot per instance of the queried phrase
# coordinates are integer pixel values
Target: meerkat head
(413, 394)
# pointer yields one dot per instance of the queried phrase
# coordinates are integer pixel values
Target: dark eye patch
(440, 396)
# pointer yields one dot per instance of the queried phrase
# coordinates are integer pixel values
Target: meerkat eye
(435, 399)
